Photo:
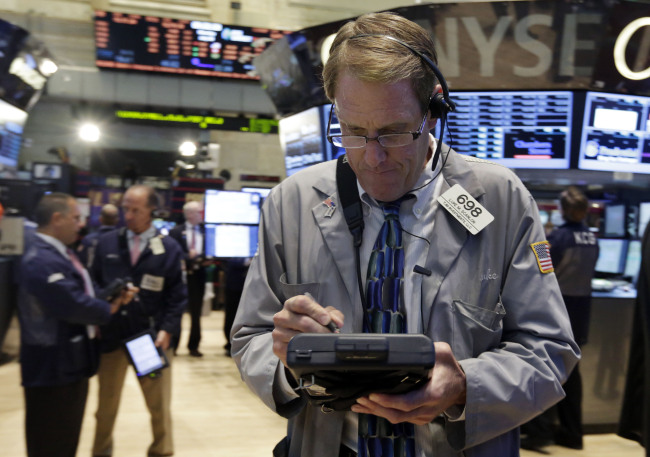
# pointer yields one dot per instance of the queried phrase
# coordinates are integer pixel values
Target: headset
(441, 103)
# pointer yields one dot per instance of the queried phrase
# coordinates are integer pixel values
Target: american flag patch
(542, 250)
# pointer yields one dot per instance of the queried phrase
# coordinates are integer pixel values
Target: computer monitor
(12, 121)
(302, 139)
(163, 226)
(518, 129)
(615, 133)
(644, 217)
(262, 191)
(633, 260)
(231, 207)
(229, 240)
(612, 256)
(44, 170)
(614, 221)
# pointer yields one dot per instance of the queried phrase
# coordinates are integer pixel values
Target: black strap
(346, 183)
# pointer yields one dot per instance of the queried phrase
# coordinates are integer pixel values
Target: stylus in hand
(330, 325)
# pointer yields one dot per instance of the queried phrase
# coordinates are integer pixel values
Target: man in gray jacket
(477, 273)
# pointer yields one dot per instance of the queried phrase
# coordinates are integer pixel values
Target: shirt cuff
(284, 388)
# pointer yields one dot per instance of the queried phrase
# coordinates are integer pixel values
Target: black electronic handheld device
(333, 370)
(110, 292)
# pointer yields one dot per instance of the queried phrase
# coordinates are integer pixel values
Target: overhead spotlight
(187, 148)
(89, 132)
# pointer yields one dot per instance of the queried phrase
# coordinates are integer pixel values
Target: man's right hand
(125, 296)
(301, 314)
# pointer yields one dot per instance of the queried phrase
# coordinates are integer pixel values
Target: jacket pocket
(476, 329)
(291, 290)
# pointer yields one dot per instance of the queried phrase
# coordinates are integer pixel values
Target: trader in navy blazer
(58, 312)
(154, 263)
(191, 236)
(109, 217)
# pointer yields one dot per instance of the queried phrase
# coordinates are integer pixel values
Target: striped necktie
(384, 298)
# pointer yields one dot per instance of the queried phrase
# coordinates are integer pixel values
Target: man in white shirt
(190, 236)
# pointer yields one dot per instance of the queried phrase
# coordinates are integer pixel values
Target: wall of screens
(615, 133)
(148, 43)
(518, 129)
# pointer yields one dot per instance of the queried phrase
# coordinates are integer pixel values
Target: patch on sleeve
(542, 250)
(54, 277)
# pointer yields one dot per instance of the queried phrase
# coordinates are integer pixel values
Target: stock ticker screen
(519, 129)
(615, 133)
(178, 46)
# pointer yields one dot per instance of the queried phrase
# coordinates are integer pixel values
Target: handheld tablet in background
(145, 357)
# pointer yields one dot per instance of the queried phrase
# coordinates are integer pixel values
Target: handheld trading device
(335, 369)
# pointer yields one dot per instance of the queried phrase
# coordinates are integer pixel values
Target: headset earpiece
(438, 106)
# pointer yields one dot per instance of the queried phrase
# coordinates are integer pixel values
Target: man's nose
(375, 153)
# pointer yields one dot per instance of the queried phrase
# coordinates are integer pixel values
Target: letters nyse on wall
(498, 45)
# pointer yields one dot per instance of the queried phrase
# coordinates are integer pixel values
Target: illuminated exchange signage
(178, 46)
(240, 124)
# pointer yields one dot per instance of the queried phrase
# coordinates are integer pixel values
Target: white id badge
(460, 204)
(157, 248)
(152, 283)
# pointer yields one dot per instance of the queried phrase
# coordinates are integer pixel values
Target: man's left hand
(163, 339)
(446, 388)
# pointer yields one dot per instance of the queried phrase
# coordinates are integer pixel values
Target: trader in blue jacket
(57, 310)
(155, 264)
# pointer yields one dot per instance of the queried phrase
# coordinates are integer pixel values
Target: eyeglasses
(389, 140)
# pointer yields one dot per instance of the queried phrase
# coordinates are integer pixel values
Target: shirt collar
(62, 248)
(144, 236)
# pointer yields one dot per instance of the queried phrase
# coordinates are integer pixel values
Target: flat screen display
(12, 121)
(612, 256)
(227, 241)
(333, 152)
(47, 171)
(615, 133)
(614, 221)
(644, 217)
(148, 43)
(163, 226)
(262, 191)
(633, 260)
(518, 129)
(231, 207)
(302, 139)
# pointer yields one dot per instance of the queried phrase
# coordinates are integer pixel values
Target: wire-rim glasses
(389, 140)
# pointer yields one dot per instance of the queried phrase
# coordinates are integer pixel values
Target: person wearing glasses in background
(489, 299)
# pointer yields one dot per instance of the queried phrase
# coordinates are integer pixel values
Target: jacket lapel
(338, 240)
(449, 235)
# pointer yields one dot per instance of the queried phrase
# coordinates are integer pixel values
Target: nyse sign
(542, 44)
(498, 50)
